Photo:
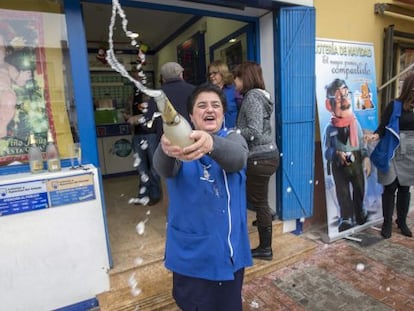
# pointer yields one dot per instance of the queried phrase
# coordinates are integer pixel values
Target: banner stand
(348, 234)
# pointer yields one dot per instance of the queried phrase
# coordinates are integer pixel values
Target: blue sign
(23, 197)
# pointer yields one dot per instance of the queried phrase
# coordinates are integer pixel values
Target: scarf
(353, 128)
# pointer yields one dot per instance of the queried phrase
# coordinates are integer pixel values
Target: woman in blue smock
(207, 244)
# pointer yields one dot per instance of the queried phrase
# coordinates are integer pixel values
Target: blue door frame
(294, 26)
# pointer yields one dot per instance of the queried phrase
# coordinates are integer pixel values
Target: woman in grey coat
(254, 122)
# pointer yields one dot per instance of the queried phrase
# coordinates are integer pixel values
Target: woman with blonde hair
(219, 75)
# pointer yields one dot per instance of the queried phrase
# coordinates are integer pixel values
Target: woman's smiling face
(208, 113)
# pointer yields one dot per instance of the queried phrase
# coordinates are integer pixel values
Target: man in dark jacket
(177, 90)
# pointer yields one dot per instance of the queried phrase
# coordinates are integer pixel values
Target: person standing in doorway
(146, 136)
(175, 87)
(207, 245)
(397, 173)
(218, 74)
(254, 122)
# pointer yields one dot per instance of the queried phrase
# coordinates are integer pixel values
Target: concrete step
(155, 281)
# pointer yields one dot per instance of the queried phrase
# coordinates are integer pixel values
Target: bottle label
(36, 166)
(53, 165)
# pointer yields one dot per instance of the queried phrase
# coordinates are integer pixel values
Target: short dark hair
(208, 88)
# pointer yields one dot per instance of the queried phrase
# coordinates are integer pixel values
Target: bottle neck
(170, 115)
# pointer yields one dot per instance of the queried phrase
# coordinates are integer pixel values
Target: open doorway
(163, 32)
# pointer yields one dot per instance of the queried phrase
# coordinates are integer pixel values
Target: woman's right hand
(374, 137)
(169, 149)
(371, 137)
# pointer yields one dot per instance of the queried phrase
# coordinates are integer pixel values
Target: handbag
(384, 151)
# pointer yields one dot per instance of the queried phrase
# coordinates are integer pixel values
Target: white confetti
(144, 145)
(141, 120)
(137, 160)
(135, 291)
(140, 227)
(144, 178)
(360, 267)
(132, 282)
(138, 261)
(254, 304)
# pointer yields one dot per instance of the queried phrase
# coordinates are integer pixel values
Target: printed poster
(347, 109)
(24, 98)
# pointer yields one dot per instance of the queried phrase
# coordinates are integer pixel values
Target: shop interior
(165, 34)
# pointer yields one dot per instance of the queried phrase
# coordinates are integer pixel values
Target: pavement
(343, 275)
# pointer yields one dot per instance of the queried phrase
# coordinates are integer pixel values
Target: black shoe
(386, 231)
(404, 229)
(262, 253)
(345, 225)
(363, 220)
(153, 201)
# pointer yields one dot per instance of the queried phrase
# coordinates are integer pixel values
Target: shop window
(189, 56)
(35, 79)
(404, 63)
(232, 50)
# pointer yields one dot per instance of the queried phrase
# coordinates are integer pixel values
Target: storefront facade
(281, 38)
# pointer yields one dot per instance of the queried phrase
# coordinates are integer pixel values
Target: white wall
(267, 63)
(57, 256)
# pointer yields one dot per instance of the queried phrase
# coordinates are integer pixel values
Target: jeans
(150, 182)
(257, 188)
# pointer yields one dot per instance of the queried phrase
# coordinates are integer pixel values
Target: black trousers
(194, 294)
(257, 188)
(350, 204)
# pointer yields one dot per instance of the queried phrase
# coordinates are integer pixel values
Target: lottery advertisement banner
(347, 109)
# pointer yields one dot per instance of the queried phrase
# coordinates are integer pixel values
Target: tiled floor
(343, 275)
(327, 279)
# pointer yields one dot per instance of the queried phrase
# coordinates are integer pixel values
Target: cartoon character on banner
(346, 155)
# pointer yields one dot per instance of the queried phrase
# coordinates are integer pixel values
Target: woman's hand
(203, 144)
(371, 137)
(169, 149)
